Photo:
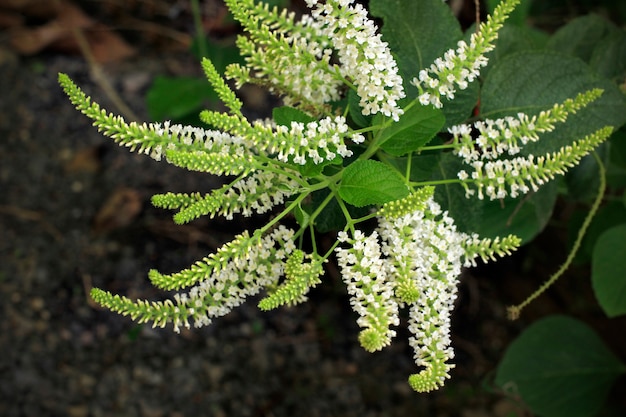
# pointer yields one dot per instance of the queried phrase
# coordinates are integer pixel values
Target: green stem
(197, 22)
(514, 311)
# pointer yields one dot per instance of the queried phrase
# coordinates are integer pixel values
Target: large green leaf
(607, 273)
(285, 115)
(174, 98)
(511, 39)
(418, 32)
(581, 36)
(560, 368)
(415, 128)
(533, 81)
(609, 56)
(467, 214)
(367, 182)
(524, 218)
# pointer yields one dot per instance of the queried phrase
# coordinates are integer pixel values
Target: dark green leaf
(466, 213)
(609, 215)
(512, 39)
(607, 273)
(583, 180)
(560, 368)
(533, 81)
(176, 98)
(367, 182)
(285, 115)
(609, 57)
(581, 36)
(220, 55)
(422, 166)
(415, 128)
(616, 169)
(524, 217)
(331, 218)
(355, 110)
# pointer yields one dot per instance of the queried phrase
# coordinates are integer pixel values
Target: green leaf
(607, 271)
(418, 32)
(609, 56)
(533, 81)
(581, 36)
(560, 368)
(422, 165)
(285, 115)
(355, 110)
(525, 217)
(511, 39)
(176, 98)
(466, 214)
(415, 128)
(367, 182)
(609, 215)
(220, 55)
(616, 169)
(583, 180)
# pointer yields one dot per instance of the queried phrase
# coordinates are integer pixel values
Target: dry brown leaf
(86, 160)
(60, 33)
(119, 210)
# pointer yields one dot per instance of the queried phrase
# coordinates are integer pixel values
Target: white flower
(426, 249)
(365, 59)
(317, 141)
(371, 294)
(228, 287)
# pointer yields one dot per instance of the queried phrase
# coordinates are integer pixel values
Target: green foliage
(609, 264)
(559, 367)
(417, 126)
(174, 98)
(367, 182)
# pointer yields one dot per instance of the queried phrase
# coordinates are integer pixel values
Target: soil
(75, 213)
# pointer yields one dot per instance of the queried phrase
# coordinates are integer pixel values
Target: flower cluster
(300, 277)
(289, 58)
(512, 177)
(491, 139)
(257, 193)
(225, 280)
(413, 258)
(365, 58)
(294, 59)
(316, 141)
(459, 67)
(371, 293)
(485, 145)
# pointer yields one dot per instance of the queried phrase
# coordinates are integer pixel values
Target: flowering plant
(380, 138)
